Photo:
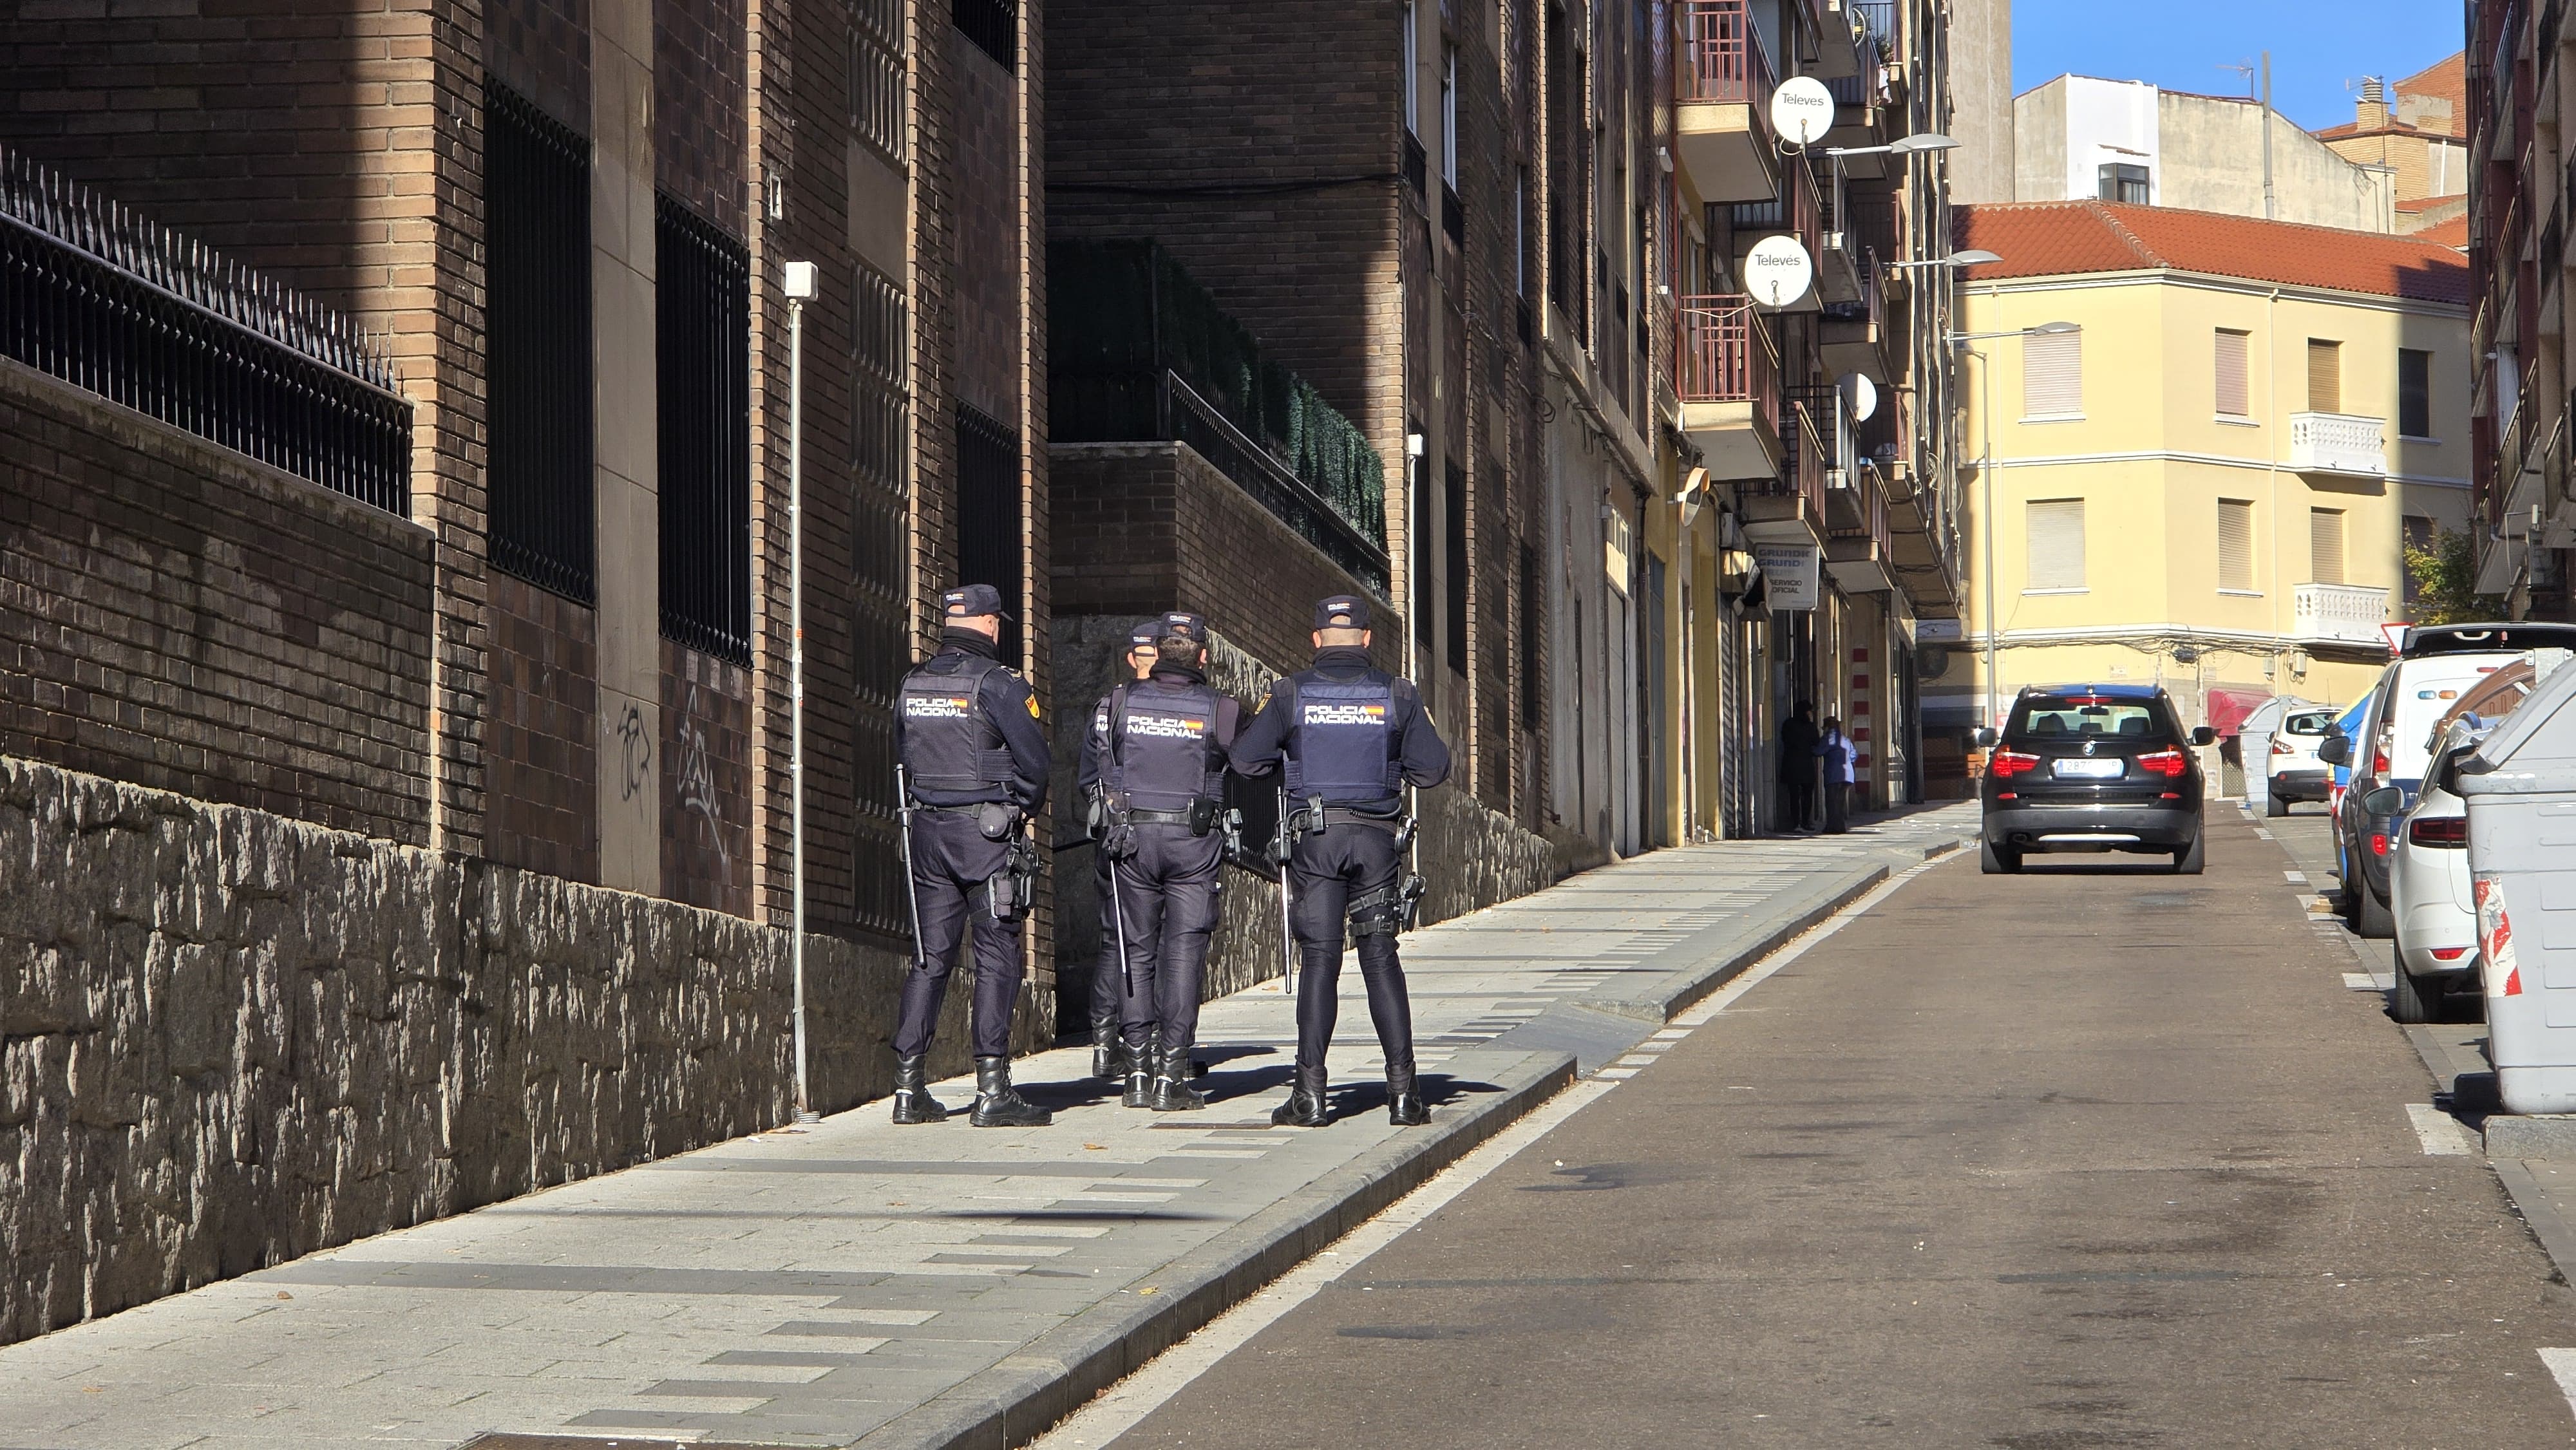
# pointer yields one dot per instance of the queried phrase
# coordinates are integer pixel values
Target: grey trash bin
(2520, 786)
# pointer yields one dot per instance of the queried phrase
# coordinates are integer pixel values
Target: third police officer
(1108, 973)
(973, 767)
(1349, 737)
(1159, 747)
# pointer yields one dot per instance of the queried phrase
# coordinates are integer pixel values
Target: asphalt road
(2092, 1156)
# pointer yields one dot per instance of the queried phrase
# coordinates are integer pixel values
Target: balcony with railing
(2339, 613)
(1839, 34)
(2338, 443)
(1723, 81)
(1726, 374)
(1794, 212)
(1853, 336)
(1789, 506)
(1859, 543)
(115, 305)
(1138, 352)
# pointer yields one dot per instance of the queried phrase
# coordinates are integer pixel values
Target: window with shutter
(2235, 544)
(2056, 528)
(2232, 392)
(2325, 545)
(2325, 376)
(2052, 375)
(2414, 393)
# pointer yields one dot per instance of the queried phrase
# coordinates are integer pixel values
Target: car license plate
(2080, 769)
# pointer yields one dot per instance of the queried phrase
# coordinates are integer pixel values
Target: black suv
(2092, 768)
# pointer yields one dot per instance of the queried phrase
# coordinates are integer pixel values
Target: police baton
(1287, 937)
(903, 824)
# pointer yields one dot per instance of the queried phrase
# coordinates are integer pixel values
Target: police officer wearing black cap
(1162, 754)
(1349, 737)
(974, 764)
(1108, 1048)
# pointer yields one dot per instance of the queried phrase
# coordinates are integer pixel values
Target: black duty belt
(1337, 816)
(1135, 817)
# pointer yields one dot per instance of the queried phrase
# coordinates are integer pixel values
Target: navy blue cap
(1342, 611)
(1187, 626)
(972, 600)
(1145, 636)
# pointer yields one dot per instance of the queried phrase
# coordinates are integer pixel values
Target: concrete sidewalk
(854, 1283)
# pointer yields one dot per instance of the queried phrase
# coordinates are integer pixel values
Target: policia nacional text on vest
(1347, 738)
(1159, 746)
(973, 765)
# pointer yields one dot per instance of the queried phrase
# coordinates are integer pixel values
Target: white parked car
(2292, 771)
(2436, 925)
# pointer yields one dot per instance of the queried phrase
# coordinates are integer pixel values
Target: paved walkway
(917, 1286)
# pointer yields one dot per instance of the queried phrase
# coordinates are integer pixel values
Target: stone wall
(228, 1038)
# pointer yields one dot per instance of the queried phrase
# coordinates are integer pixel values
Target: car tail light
(2449, 954)
(2282, 747)
(2447, 831)
(2009, 763)
(2168, 763)
(2379, 843)
(2379, 764)
(2495, 936)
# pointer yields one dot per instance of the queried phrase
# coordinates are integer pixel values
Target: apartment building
(397, 401)
(2417, 129)
(2517, 225)
(1820, 423)
(2198, 445)
(2134, 142)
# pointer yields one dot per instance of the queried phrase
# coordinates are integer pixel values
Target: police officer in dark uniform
(1108, 974)
(975, 764)
(1350, 737)
(1162, 750)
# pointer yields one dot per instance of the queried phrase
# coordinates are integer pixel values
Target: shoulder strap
(1118, 725)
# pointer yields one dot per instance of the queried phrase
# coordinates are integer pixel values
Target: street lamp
(1901, 146)
(800, 290)
(1986, 464)
(1970, 258)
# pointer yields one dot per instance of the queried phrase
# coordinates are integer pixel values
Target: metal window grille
(989, 515)
(119, 306)
(1532, 686)
(1418, 527)
(703, 333)
(876, 75)
(880, 555)
(537, 348)
(994, 26)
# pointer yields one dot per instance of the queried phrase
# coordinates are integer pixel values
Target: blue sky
(2318, 46)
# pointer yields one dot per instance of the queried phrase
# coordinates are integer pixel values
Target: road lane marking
(2264, 834)
(2295, 878)
(2442, 1135)
(2359, 982)
(1126, 1404)
(2562, 1368)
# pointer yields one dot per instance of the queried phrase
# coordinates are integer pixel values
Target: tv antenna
(2243, 68)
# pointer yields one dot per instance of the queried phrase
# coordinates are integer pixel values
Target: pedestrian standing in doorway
(1798, 768)
(1834, 751)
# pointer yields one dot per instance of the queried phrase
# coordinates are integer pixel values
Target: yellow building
(2208, 437)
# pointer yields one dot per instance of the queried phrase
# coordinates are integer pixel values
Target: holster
(996, 820)
(1013, 888)
(1388, 911)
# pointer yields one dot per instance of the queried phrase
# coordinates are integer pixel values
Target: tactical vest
(949, 743)
(1341, 739)
(1160, 752)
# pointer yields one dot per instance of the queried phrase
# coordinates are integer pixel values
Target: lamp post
(800, 290)
(1986, 461)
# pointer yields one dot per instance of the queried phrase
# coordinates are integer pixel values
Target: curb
(1028, 1392)
(2512, 1135)
(1678, 990)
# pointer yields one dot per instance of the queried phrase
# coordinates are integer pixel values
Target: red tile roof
(2453, 234)
(2056, 238)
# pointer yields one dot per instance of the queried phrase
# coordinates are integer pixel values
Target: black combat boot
(1404, 1105)
(912, 1100)
(1140, 1075)
(1305, 1105)
(1108, 1052)
(1173, 1092)
(998, 1104)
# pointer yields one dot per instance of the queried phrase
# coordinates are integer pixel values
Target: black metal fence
(994, 26)
(537, 348)
(989, 517)
(703, 333)
(112, 303)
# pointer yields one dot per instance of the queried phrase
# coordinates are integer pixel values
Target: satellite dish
(1860, 395)
(1802, 110)
(1778, 271)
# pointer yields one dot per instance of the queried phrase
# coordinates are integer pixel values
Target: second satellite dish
(1860, 395)
(1802, 110)
(1778, 271)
